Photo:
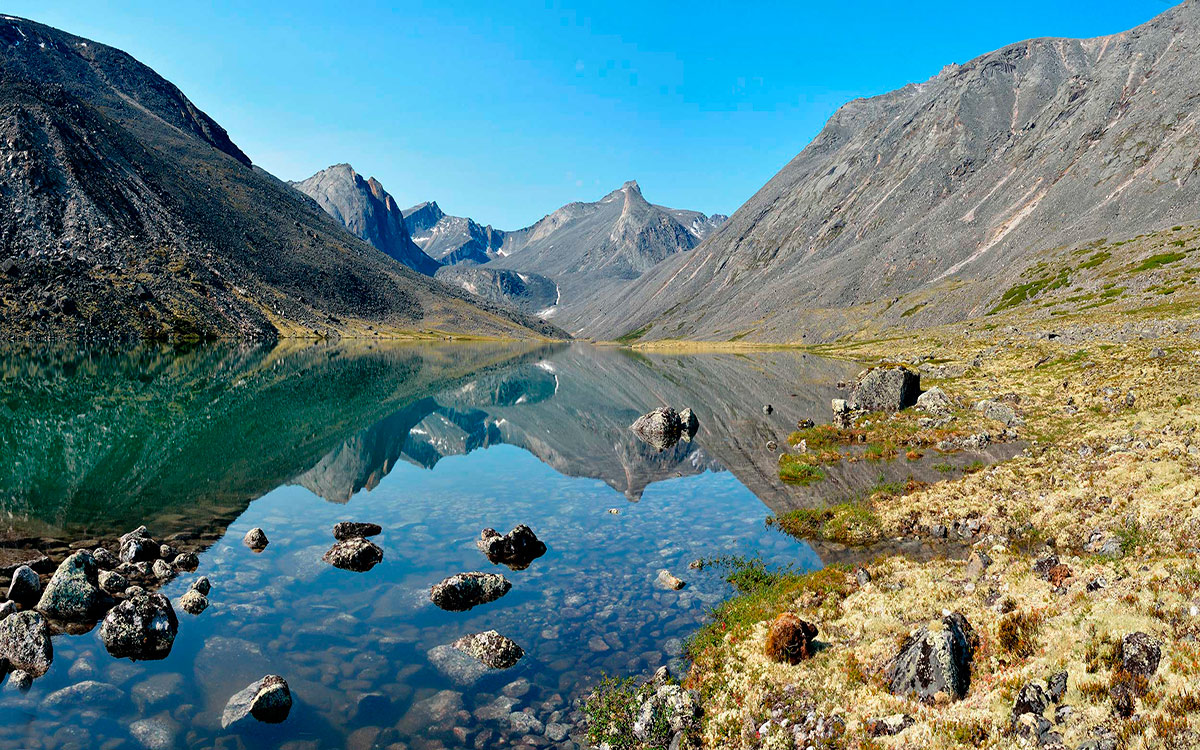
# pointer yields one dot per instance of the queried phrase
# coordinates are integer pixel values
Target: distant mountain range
(126, 212)
(950, 188)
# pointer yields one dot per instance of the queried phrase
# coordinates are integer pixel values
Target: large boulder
(141, 627)
(935, 401)
(491, 648)
(660, 428)
(73, 593)
(355, 554)
(25, 588)
(461, 592)
(516, 549)
(138, 546)
(344, 530)
(935, 659)
(25, 643)
(268, 700)
(889, 388)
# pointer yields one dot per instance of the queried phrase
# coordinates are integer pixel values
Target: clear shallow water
(433, 444)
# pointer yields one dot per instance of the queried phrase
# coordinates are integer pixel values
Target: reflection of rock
(461, 592)
(457, 666)
(141, 627)
(268, 700)
(660, 428)
(689, 423)
(517, 549)
(344, 530)
(355, 554)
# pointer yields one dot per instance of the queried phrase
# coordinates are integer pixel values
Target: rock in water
(355, 554)
(105, 559)
(491, 648)
(25, 588)
(138, 546)
(516, 549)
(668, 581)
(790, 639)
(193, 602)
(141, 627)
(186, 561)
(885, 389)
(25, 643)
(112, 582)
(660, 428)
(73, 593)
(256, 539)
(935, 659)
(689, 423)
(268, 700)
(162, 571)
(202, 585)
(344, 530)
(461, 592)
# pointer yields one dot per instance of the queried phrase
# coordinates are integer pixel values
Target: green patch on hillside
(632, 336)
(1021, 293)
(1096, 259)
(1157, 261)
(913, 310)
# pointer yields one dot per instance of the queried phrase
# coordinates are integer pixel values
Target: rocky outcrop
(25, 643)
(935, 401)
(517, 549)
(356, 554)
(463, 591)
(142, 627)
(267, 700)
(491, 648)
(889, 388)
(670, 711)
(73, 593)
(523, 290)
(935, 659)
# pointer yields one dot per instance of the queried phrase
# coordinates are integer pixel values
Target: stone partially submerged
(491, 648)
(660, 429)
(141, 627)
(516, 549)
(268, 700)
(461, 592)
(887, 388)
(25, 643)
(935, 659)
(356, 554)
(73, 593)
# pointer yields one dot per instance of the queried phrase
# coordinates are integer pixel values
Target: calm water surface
(433, 444)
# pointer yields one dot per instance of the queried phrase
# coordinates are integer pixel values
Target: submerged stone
(491, 648)
(141, 627)
(355, 553)
(517, 549)
(268, 700)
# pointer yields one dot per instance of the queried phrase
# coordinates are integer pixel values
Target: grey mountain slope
(452, 239)
(127, 212)
(367, 210)
(528, 292)
(963, 177)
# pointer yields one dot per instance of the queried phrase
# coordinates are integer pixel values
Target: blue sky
(505, 111)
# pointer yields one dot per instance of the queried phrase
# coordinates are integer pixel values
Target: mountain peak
(632, 185)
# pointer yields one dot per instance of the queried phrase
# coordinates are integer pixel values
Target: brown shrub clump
(790, 639)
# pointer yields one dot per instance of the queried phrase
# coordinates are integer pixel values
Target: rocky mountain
(949, 188)
(125, 211)
(367, 210)
(528, 292)
(452, 239)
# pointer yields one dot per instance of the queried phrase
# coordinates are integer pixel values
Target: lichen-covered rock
(25, 643)
(889, 388)
(671, 706)
(1140, 654)
(491, 648)
(138, 546)
(25, 588)
(186, 561)
(355, 554)
(344, 530)
(256, 539)
(689, 424)
(935, 401)
(461, 592)
(1002, 413)
(1032, 698)
(112, 582)
(887, 726)
(105, 560)
(193, 602)
(935, 659)
(790, 639)
(660, 428)
(161, 570)
(141, 627)
(1056, 686)
(73, 593)
(268, 700)
(517, 549)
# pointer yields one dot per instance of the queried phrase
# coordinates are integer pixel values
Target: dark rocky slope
(367, 210)
(529, 292)
(125, 211)
(952, 185)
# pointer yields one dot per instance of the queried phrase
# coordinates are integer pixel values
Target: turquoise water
(434, 444)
